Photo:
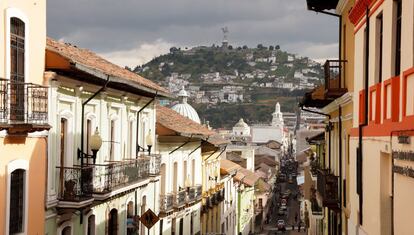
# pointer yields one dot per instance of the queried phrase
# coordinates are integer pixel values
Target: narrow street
(291, 215)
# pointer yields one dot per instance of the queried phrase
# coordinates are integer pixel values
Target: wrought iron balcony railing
(154, 164)
(199, 192)
(166, 203)
(179, 198)
(107, 177)
(334, 70)
(191, 194)
(74, 183)
(23, 103)
(327, 186)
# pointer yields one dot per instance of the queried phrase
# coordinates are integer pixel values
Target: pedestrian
(296, 217)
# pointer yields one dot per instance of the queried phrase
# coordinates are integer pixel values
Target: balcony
(199, 192)
(333, 79)
(191, 194)
(166, 203)
(111, 177)
(23, 107)
(327, 186)
(179, 199)
(72, 181)
(154, 164)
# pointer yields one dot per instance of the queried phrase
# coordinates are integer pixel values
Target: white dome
(185, 109)
(241, 123)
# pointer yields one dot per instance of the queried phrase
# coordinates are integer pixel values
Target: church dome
(241, 123)
(184, 108)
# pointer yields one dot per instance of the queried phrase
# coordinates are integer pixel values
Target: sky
(132, 32)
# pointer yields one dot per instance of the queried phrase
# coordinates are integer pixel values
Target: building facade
(179, 143)
(381, 144)
(335, 100)
(101, 189)
(24, 122)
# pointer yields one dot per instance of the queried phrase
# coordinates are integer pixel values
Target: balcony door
(17, 68)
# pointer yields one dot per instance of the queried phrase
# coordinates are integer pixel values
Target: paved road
(293, 209)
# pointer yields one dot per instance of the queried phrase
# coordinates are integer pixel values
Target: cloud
(120, 29)
(139, 55)
(316, 51)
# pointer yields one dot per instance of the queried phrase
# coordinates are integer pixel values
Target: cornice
(341, 101)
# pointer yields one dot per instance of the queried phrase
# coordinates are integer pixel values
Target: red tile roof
(174, 121)
(91, 60)
(243, 175)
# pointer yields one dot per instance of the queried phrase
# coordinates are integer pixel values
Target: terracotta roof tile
(90, 59)
(180, 124)
(243, 175)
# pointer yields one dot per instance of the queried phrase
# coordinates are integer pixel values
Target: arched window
(17, 191)
(67, 230)
(91, 225)
(113, 222)
(17, 68)
(17, 49)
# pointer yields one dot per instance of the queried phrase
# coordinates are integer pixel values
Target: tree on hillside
(259, 46)
(277, 47)
(271, 48)
(245, 47)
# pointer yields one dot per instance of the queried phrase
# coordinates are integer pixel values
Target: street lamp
(95, 144)
(149, 142)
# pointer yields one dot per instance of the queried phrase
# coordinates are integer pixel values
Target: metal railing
(107, 177)
(166, 202)
(179, 198)
(199, 192)
(191, 194)
(23, 103)
(74, 183)
(154, 164)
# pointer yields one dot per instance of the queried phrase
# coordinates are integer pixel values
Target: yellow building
(23, 116)
(381, 143)
(213, 188)
(335, 101)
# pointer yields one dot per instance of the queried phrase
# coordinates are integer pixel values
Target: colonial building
(102, 175)
(334, 98)
(23, 116)
(213, 186)
(381, 142)
(179, 143)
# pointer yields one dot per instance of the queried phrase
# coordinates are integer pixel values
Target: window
(67, 231)
(113, 222)
(379, 46)
(397, 25)
(17, 67)
(63, 132)
(91, 225)
(112, 140)
(131, 139)
(88, 135)
(16, 212)
(17, 49)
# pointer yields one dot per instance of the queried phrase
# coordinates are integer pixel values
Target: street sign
(149, 218)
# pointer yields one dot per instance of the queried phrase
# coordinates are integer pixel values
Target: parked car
(281, 224)
(284, 208)
(281, 212)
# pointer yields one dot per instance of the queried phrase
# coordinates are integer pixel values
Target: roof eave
(102, 75)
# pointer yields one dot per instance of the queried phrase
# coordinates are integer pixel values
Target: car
(290, 181)
(281, 224)
(281, 212)
(283, 208)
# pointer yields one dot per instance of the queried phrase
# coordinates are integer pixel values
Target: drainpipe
(365, 122)
(138, 114)
(83, 114)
